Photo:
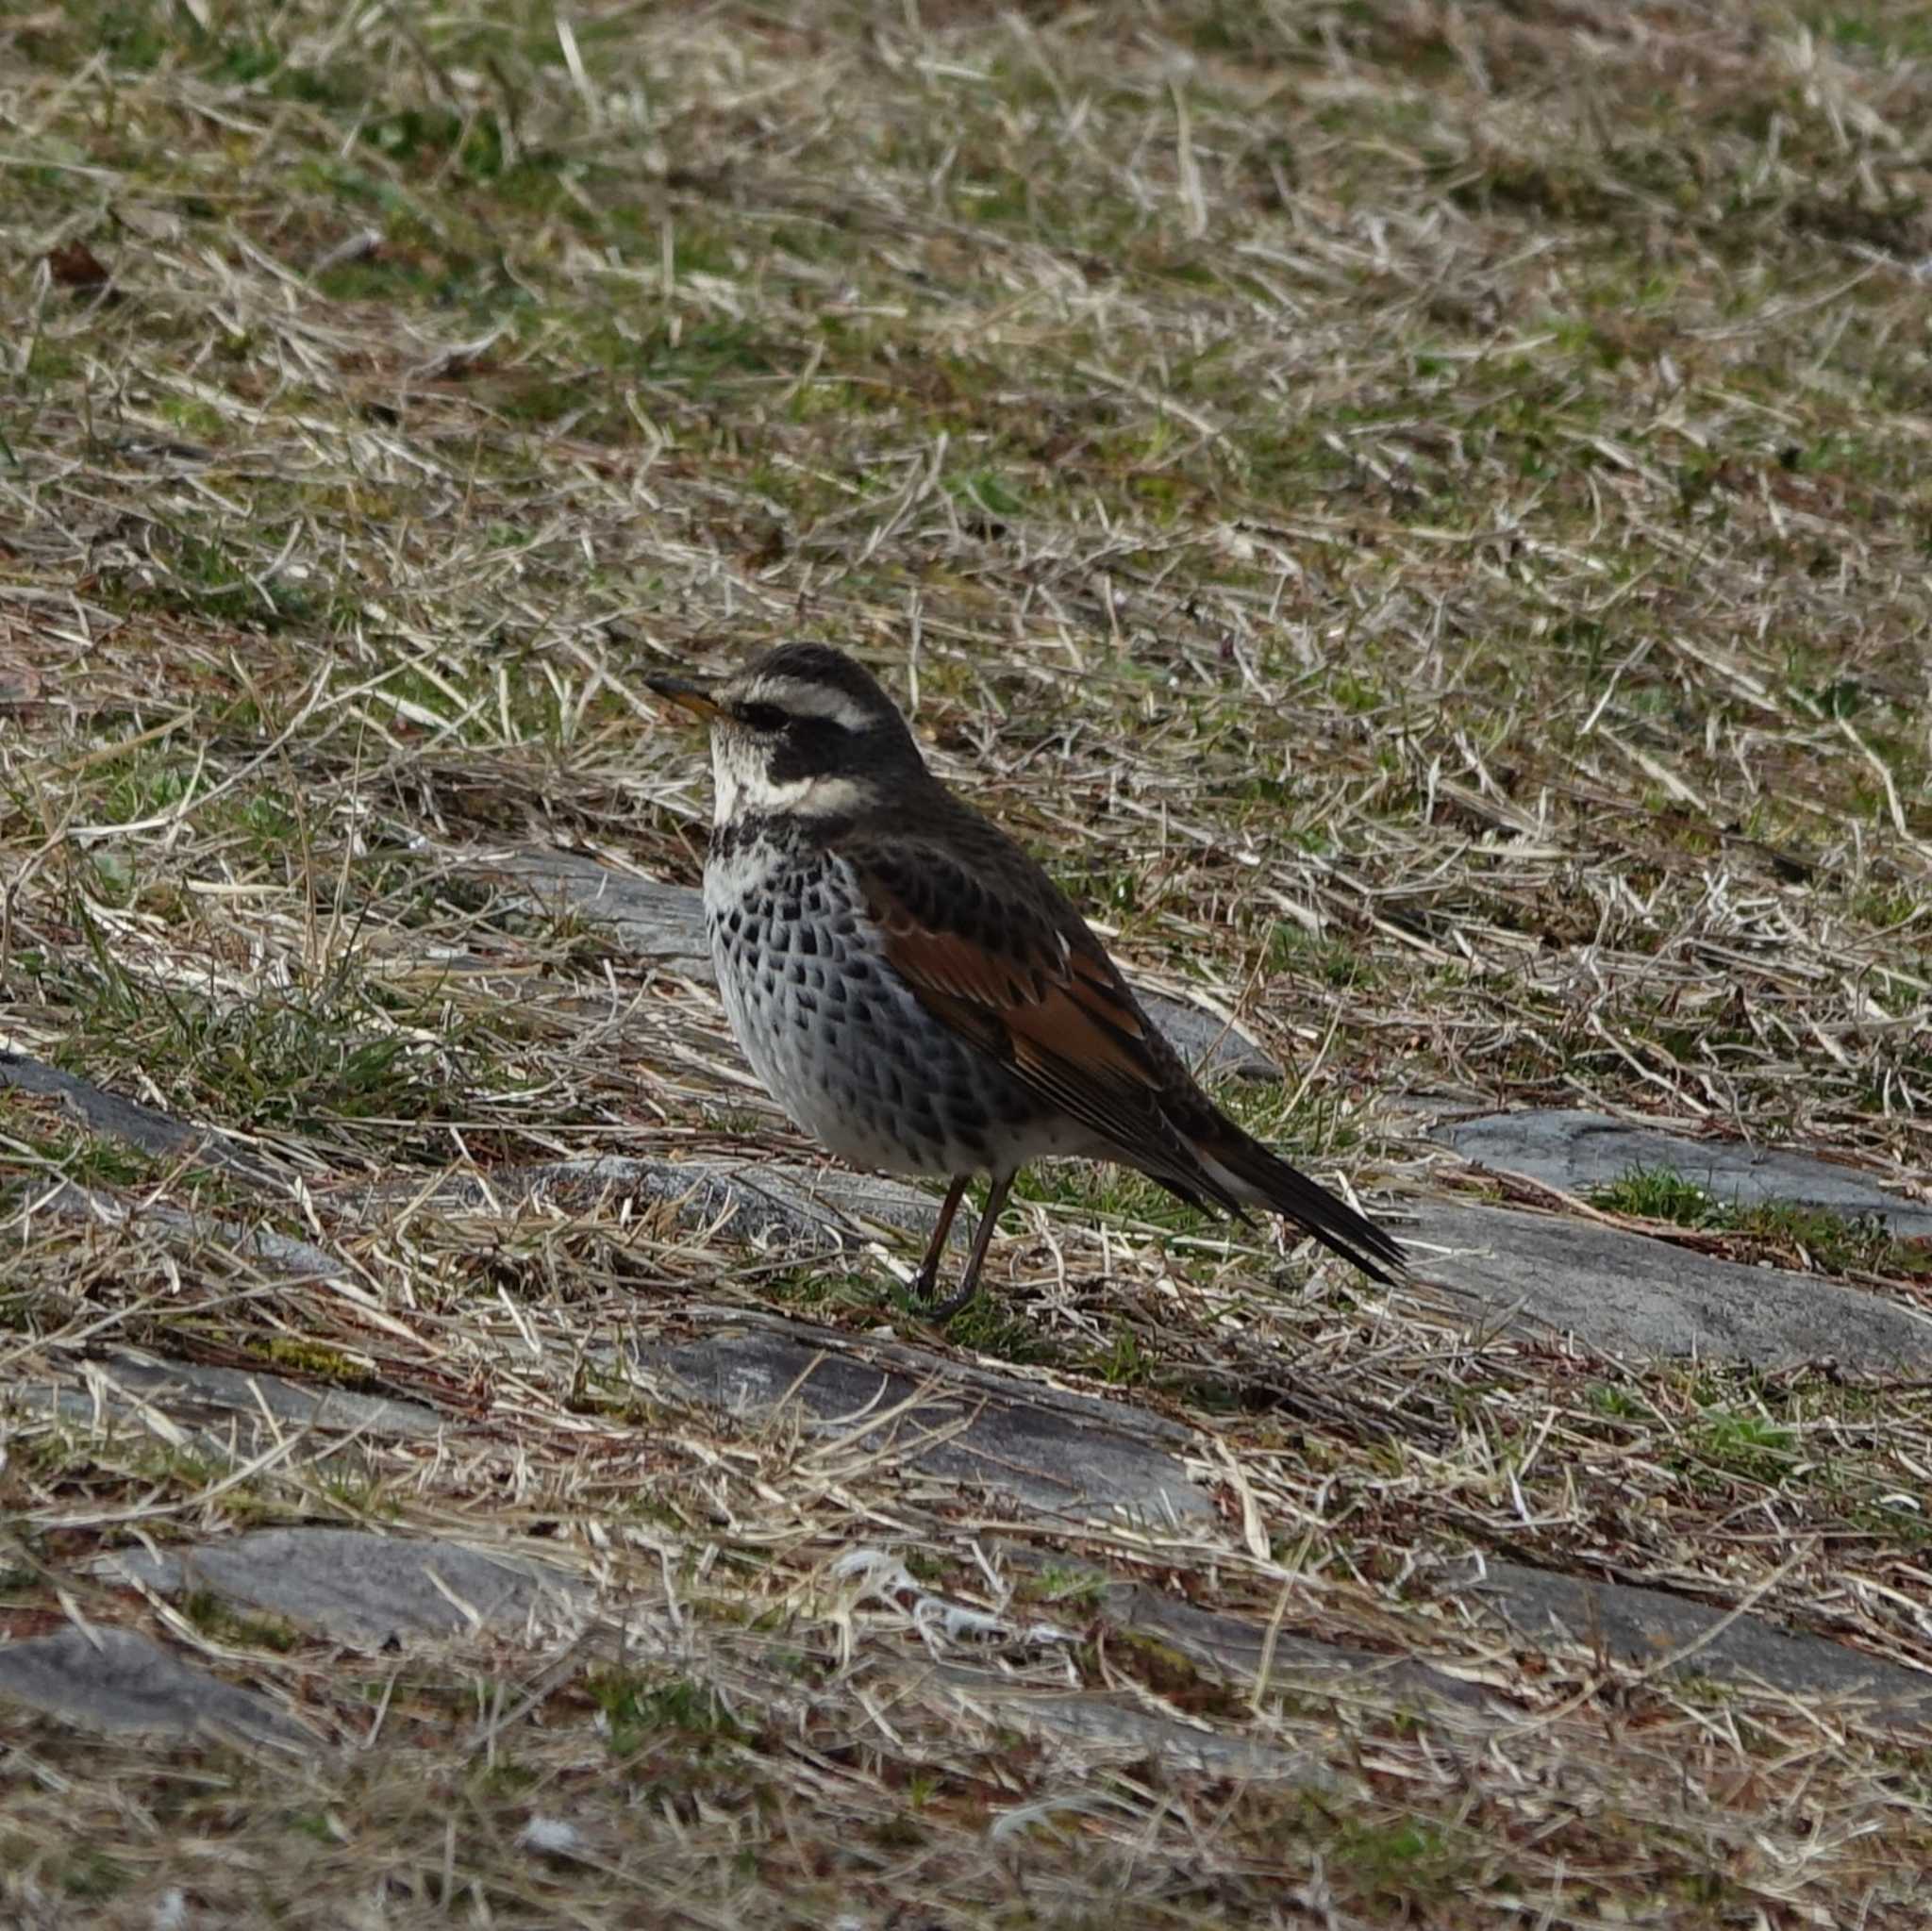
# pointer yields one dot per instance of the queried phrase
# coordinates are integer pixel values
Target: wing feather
(1037, 992)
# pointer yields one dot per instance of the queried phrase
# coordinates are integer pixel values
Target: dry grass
(1420, 513)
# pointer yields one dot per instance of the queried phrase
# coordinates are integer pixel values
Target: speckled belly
(839, 1040)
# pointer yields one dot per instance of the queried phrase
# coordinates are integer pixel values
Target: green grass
(1660, 1193)
(1812, 1237)
(1744, 1445)
(643, 1715)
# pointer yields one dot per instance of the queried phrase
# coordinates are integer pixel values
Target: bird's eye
(763, 717)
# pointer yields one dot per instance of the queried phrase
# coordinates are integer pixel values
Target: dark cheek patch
(789, 761)
(810, 747)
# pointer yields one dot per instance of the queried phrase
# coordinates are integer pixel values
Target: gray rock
(820, 1210)
(1579, 1151)
(116, 1680)
(1299, 1665)
(282, 1253)
(644, 917)
(364, 1590)
(667, 922)
(1215, 1048)
(187, 1389)
(1644, 1628)
(1627, 1294)
(816, 1211)
(1108, 1728)
(227, 1411)
(1638, 1626)
(127, 1121)
(1067, 1456)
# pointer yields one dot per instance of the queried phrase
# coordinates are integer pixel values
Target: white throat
(744, 787)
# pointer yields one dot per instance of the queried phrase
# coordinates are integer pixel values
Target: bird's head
(805, 730)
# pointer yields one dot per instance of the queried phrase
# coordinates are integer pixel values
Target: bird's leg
(926, 1279)
(995, 1200)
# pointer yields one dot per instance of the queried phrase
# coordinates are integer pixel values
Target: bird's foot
(954, 1303)
(925, 1285)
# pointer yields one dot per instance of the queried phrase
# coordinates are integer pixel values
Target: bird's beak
(690, 695)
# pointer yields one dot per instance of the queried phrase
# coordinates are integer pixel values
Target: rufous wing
(1018, 974)
(1045, 1002)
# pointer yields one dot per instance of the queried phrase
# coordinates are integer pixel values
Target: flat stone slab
(667, 922)
(1644, 1628)
(1237, 1647)
(221, 1409)
(281, 1254)
(118, 1680)
(1579, 1151)
(113, 1118)
(1299, 1665)
(190, 1388)
(1639, 1626)
(1625, 1293)
(816, 1211)
(1109, 1729)
(952, 1425)
(644, 917)
(820, 1210)
(364, 1590)
(1215, 1048)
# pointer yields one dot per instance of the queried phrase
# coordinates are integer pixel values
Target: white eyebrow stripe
(812, 701)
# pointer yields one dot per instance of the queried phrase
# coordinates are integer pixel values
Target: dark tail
(1262, 1179)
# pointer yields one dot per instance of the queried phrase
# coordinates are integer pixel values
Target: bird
(919, 995)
